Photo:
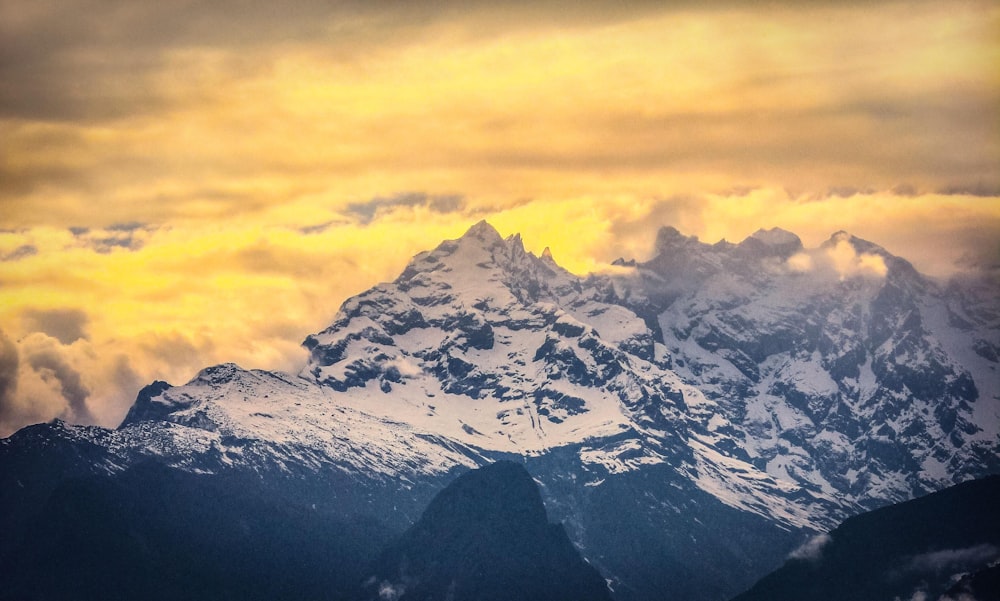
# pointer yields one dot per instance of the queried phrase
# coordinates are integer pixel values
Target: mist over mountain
(690, 419)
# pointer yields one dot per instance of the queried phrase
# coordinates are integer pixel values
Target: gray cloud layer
(50, 363)
(65, 325)
(9, 362)
(367, 211)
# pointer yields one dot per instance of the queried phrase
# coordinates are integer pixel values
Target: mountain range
(690, 419)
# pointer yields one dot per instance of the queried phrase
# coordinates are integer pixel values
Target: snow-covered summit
(773, 242)
(776, 237)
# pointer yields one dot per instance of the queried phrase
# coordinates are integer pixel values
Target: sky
(188, 183)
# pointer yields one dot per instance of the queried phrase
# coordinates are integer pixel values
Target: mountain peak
(669, 238)
(483, 232)
(776, 237)
(486, 536)
(859, 245)
(773, 242)
(498, 491)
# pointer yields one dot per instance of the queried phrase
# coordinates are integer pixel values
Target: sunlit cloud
(847, 261)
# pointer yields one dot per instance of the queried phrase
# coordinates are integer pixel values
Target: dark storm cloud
(365, 212)
(9, 363)
(65, 325)
(50, 364)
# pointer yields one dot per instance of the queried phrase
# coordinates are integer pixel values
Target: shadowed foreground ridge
(912, 550)
(485, 537)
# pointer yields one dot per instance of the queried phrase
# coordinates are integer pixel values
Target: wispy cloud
(25, 250)
(952, 559)
(369, 210)
(812, 549)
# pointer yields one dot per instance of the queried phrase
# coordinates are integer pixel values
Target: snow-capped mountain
(706, 408)
(839, 368)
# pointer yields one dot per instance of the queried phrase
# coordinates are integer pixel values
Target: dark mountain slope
(912, 548)
(155, 532)
(486, 537)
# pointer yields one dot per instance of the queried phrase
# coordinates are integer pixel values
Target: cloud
(9, 362)
(390, 592)
(973, 189)
(130, 226)
(838, 256)
(42, 378)
(633, 230)
(800, 262)
(319, 228)
(366, 212)
(904, 190)
(953, 559)
(53, 368)
(848, 262)
(224, 110)
(25, 250)
(25, 397)
(946, 563)
(129, 236)
(812, 549)
(65, 325)
(88, 60)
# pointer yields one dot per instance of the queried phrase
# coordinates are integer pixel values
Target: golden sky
(185, 183)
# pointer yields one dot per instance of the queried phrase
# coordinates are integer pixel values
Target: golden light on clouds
(185, 186)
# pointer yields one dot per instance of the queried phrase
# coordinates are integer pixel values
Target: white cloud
(390, 592)
(800, 263)
(847, 262)
(954, 558)
(812, 549)
(406, 367)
